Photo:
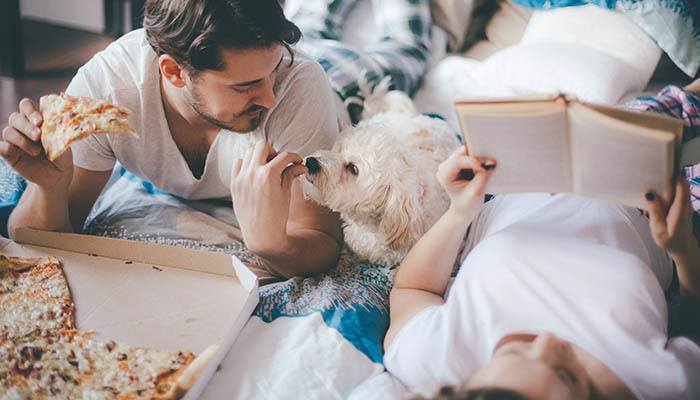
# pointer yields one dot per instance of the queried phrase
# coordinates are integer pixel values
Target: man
(215, 93)
(207, 81)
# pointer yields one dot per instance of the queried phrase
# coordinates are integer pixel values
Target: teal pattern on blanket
(11, 188)
(673, 24)
(353, 298)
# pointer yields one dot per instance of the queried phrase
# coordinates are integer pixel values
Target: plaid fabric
(679, 103)
(675, 102)
(402, 52)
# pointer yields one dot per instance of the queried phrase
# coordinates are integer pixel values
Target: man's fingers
(261, 151)
(246, 159)
(9, 153)
(271, 155)
(292, 172)
(282, 160)
(12, 136)
(20, 123)
(237, 166)
(29, 110)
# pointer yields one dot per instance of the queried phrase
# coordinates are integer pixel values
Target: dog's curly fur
(394, 198)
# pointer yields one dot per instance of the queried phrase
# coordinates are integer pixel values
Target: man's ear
(171, 70)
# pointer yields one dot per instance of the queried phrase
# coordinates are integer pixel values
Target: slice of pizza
(68, 119)
(34, 297)
(72, 365)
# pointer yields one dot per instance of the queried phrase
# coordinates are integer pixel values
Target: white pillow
(450, 80)
(587, 73)
(600, 29)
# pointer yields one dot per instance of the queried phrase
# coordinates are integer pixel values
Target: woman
(559, 296)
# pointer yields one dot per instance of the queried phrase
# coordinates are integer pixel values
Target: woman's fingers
(462, 168)
(681, 202)
(480, 181)
(657, 218)
(459, 151)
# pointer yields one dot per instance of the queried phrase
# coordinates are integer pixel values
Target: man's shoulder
(125, 64)
(302, 71)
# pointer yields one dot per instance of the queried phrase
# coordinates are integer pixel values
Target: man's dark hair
(193, 32)
(451, 393)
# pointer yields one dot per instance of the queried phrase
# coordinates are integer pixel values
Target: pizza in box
(44, 356)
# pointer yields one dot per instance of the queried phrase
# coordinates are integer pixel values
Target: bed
(321, 337)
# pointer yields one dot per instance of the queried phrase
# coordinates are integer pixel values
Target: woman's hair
(193, 32)
(450, 393)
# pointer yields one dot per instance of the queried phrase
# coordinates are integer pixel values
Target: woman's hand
(464, 178)
(671, 226)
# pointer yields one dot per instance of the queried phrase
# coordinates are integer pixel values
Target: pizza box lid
(150, 295)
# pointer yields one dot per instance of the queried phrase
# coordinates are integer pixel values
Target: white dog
(380, 176)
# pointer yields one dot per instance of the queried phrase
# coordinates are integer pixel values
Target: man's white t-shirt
(586, 270)
(306, 117)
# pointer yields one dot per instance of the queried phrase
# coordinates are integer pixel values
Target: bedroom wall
(81, 14)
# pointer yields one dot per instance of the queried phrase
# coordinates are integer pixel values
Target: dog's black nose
(313, 165)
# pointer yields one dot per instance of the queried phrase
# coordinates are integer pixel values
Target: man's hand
(261, 192)
(671, 226)
(21, 148)
(464, 178)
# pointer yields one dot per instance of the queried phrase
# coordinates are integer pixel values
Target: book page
(648, 119)
(619, 161)
(531, 147)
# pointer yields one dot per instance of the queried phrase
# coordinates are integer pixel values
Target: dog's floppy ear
(401, 223)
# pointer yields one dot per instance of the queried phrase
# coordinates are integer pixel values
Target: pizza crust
(68, 119)
(21, 263)
(187, 377)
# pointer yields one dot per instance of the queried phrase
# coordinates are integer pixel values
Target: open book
(558, 144)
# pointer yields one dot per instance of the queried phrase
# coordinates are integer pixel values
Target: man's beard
(239, 123)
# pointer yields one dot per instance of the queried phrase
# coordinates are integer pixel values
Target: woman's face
(544, 368)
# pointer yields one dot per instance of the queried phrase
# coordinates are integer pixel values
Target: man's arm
(60, 208)
(294, 236)
(314, 237)
(59, 196)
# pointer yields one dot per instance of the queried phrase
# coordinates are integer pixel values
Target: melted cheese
(34, 300)
(72, 365)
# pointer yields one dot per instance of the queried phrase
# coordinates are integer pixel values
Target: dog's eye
(352, 168)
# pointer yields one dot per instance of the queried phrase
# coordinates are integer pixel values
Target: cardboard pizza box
(150, 295)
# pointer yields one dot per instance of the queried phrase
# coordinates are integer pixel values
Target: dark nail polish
(466, 175)
(649, 196)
